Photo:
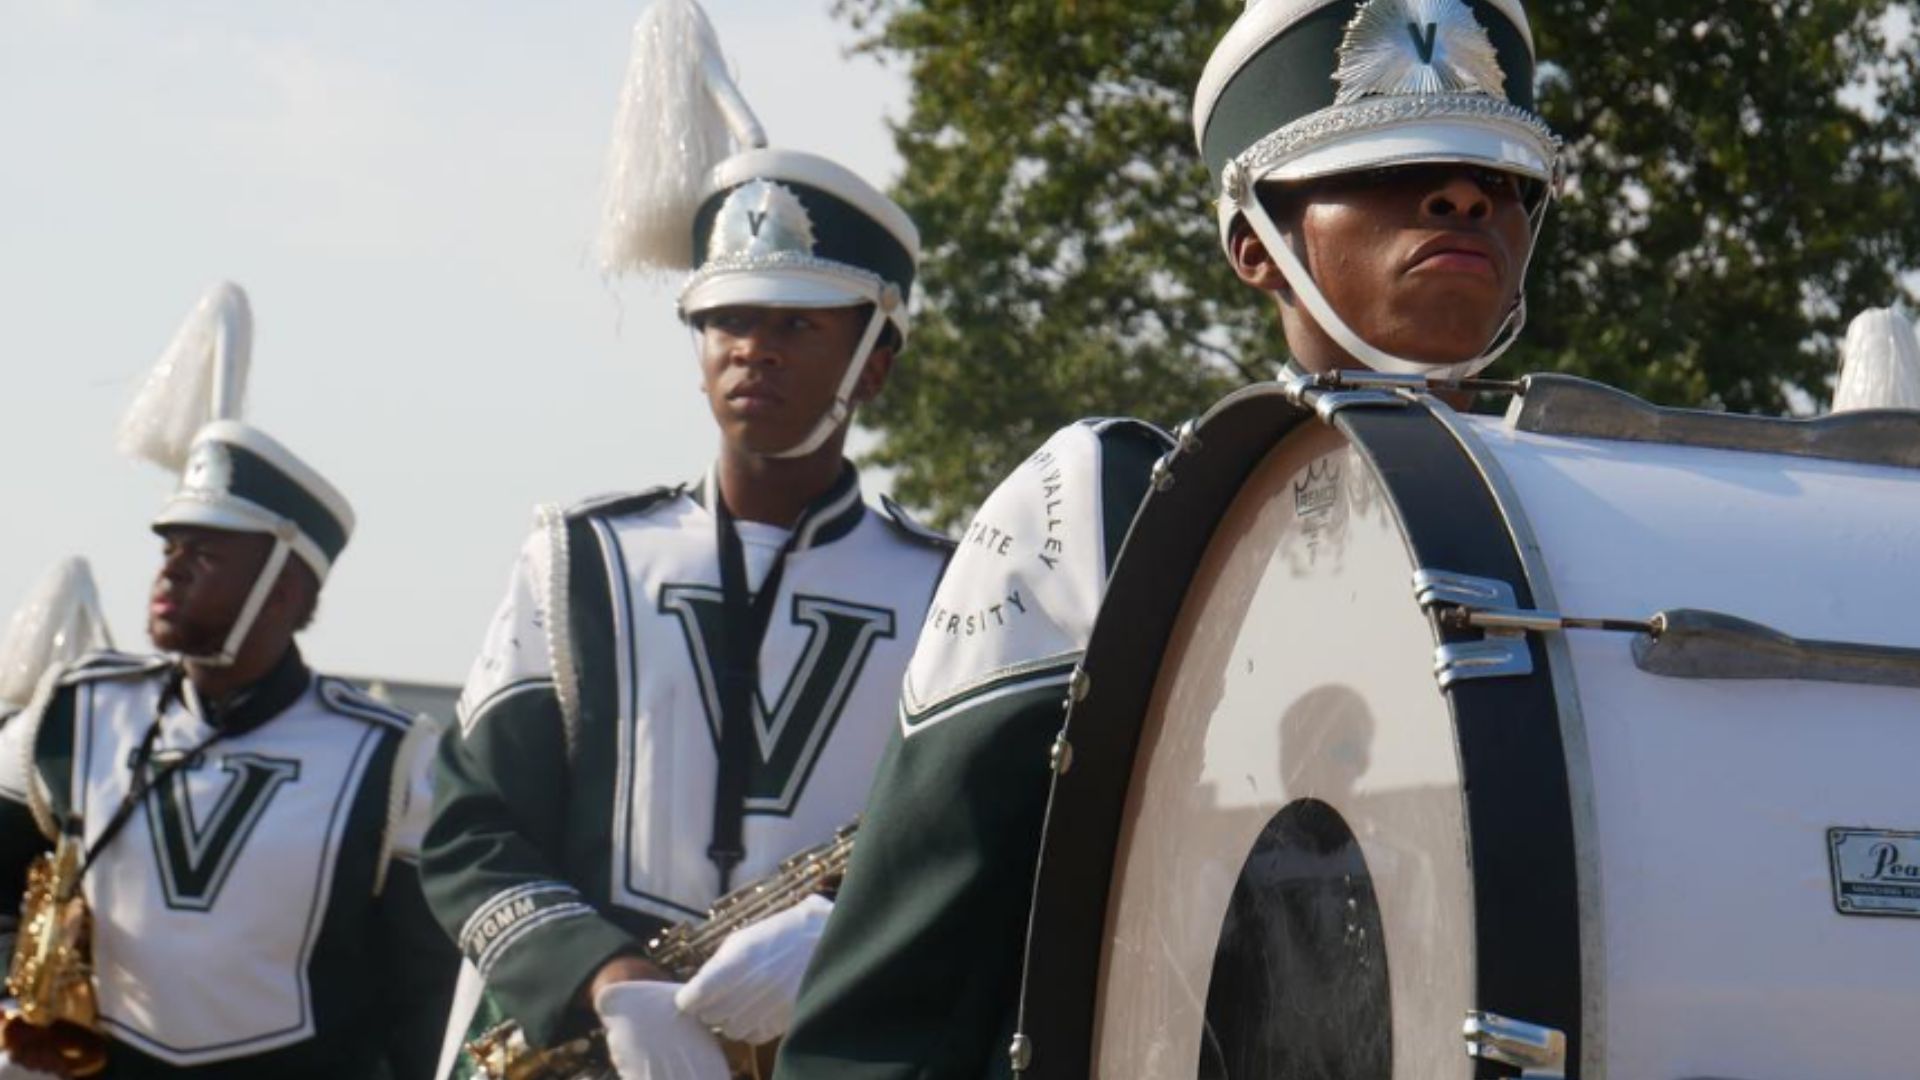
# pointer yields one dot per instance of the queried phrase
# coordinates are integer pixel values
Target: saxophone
(51, 975)
(502, 1052)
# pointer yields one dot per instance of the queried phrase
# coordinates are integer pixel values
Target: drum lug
(1060, 758)
(1186, 441)
(1435, 587)
(1328, 404)
(1020, 1053)
(1162, 476)
(1498, 656)
(1538, 1051)
(1186, 438)
(1323, 395)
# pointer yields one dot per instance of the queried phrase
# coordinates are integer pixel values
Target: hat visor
(237, 515)
(228, 515)
(1506, 147)
(772, 288)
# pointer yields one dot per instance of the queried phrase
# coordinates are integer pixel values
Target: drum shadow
(1299, 987)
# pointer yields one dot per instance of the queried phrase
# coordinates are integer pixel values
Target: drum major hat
(781, 228)
(232, 476)
(239, 479)
(1304, 89)
(692, 187)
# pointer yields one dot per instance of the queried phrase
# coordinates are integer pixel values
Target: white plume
(1880, 364)
(60, 622)
(201, 377)
(680, 115)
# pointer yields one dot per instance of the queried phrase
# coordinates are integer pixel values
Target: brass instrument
(502, 1053)
(57, 1015)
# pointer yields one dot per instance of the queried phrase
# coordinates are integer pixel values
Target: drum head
(1281, 848)
(1291, 895)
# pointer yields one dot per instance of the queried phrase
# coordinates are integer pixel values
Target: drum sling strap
(743, 628)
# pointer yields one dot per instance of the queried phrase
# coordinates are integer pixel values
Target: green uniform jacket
(566, 834)
(919, 971)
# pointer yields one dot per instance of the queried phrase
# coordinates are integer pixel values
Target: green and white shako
(781, 228)
(239, 479)
(1302, 89)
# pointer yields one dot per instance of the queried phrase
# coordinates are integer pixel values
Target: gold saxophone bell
(57, 1017)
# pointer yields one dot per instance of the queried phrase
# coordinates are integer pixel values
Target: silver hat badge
(760, 220)
(1402, 47)
(209, 470)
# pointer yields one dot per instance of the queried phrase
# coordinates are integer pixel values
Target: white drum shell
(1713, 945)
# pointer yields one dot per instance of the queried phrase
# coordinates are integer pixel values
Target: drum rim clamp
(1536, 1050)
(1681, 643)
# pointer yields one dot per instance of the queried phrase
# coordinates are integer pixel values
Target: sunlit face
(1423, 262)
(770, 373)
(205, 576)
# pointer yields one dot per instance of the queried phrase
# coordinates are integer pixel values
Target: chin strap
(1240, 191)
(842, 408)
(256, 599)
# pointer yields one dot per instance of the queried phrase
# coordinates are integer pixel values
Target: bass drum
(1341, 796)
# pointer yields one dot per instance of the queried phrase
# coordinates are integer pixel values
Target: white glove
(649, 1038)
(746, 992)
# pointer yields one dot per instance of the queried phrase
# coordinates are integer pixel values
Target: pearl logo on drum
(1875, 872)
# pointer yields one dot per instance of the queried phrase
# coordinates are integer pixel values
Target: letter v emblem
(1424, 44)
(197, 856)
(790, 731)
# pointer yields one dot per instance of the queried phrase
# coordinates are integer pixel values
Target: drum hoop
(1526, 900)
(1572, 730)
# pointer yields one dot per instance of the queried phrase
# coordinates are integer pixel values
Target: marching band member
(685, 685)
(1383, 178)
(243, 830)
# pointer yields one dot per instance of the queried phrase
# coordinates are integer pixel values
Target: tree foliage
(1742, 180)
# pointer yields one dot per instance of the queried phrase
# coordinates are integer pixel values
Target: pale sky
(408, 192)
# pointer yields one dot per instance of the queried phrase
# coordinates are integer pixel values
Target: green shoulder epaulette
(347, 699)
(620, 504)
(902, 522)
(110, 665)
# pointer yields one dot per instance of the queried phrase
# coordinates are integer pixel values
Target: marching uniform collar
(250, 707)
(828, 518)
